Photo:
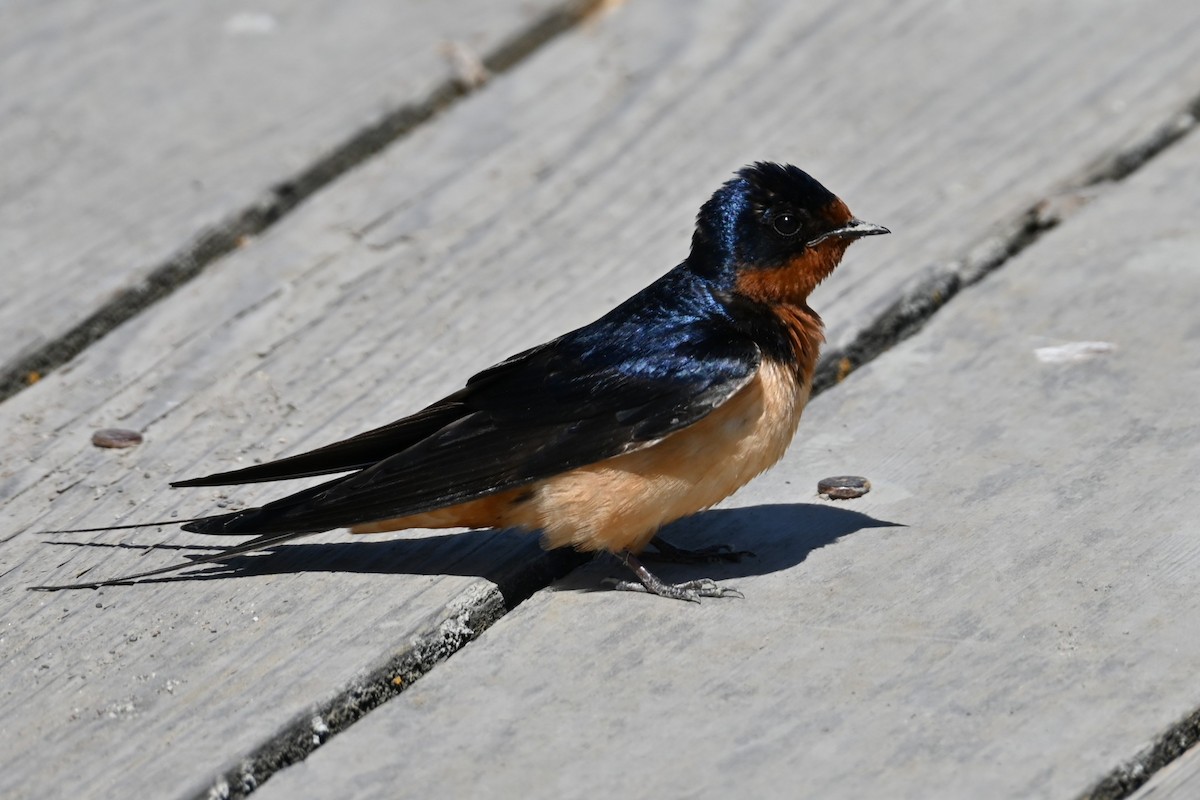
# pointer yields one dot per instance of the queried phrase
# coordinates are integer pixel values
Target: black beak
(853, 229)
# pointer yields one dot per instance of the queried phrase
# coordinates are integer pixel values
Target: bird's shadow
(780, 536)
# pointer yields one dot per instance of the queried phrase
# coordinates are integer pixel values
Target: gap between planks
(473, 612)
(477, 610)
(914, 307)
(216, 241)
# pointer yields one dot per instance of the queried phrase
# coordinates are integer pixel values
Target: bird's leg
(704, 555)
(688, 590)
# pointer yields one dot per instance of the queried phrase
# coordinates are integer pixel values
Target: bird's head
(773, 233)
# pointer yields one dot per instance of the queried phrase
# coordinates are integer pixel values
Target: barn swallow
(662, 407)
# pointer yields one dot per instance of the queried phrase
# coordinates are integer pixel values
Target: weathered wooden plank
(1025, 620)
(527, 209)
(129, 131)
(1179, 780)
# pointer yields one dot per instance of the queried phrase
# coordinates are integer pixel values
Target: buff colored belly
(620, 503)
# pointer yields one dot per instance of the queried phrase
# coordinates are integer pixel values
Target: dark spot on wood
(116, 437)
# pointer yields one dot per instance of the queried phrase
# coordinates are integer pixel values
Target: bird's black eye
(786, 224)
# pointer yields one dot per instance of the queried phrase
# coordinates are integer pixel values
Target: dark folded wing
(355, 453)
(566, 404)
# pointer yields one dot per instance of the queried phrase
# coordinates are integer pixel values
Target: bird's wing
(355, 453)
(560, 406)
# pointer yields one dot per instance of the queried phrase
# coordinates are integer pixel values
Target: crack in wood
(909, 313)
(212, 243)
(473, 612)
(1129, 776)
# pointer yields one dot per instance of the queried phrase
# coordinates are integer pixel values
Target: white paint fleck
(320, 730)
(1073, 351)
(251, 23)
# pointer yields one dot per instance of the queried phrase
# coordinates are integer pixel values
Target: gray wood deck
(1009, 613)
(1027, 626)
(141, 141)
(1176, 781)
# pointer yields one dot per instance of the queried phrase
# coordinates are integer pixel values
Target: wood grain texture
(131, 130)
(1010, 612)
(527, 209)
(1179, 780)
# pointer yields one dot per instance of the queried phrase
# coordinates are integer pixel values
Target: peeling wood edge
(210, 244)
(1129, 776)
(464, 620)
(468, 616)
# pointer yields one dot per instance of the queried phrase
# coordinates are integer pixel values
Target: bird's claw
(691, 591)
(648, 582)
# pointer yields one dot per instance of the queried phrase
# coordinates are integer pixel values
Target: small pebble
(468, 67)
(843, 487)
(116, 437)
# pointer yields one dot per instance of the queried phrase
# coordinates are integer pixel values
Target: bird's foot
(691, 591)
(719, 553)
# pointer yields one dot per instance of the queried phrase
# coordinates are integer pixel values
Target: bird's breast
(619, 504)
